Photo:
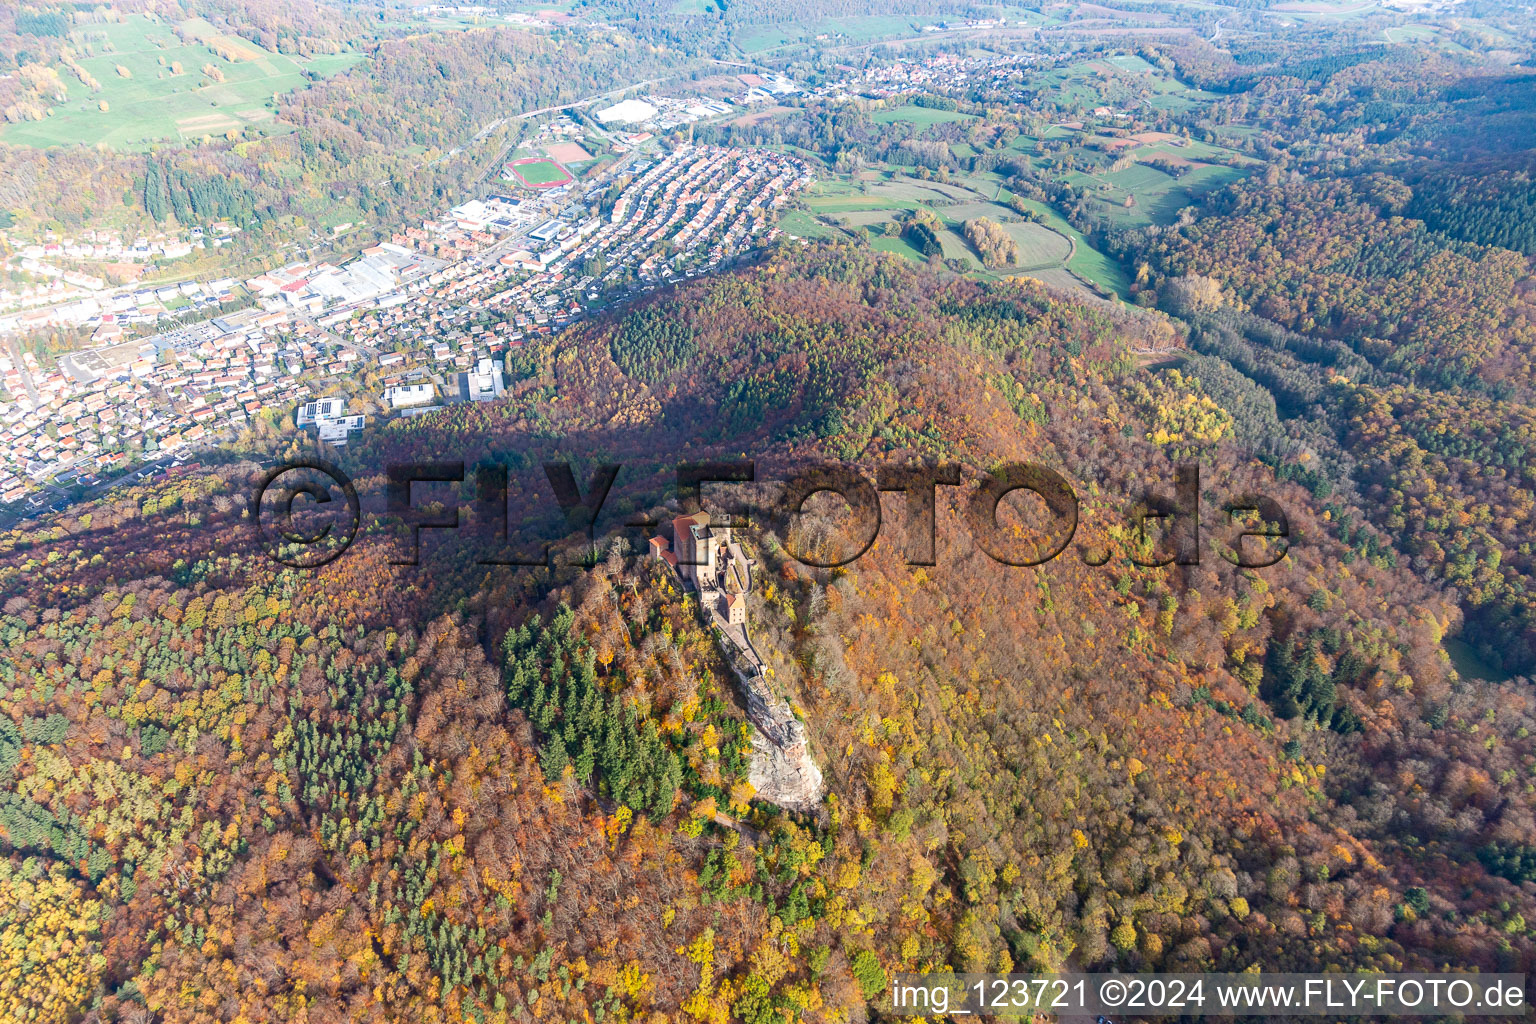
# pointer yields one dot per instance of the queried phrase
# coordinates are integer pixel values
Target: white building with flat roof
(329, 418)
(627, 112)
(484, 382)
(547, 231)
(404, 396)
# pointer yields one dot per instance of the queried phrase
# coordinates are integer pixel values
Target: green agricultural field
(899, 186)
(923, 117)
(970, 211)
(1409, 34)
(865, 218)
(765, 38)
(1056, 277)
(1075, 84)
(1139, 179)
(1051, 245)
(1039, 246)
(327, 64)
(1190, 149)
(835, 187)
(885, 206)
(1129, 62)
(864, 27)
(803, 225)
(1150, 181)
(1118, 81)
(1157, 196)
(957, 248)
(840, 196)
(1327, 12)
(151, 103)
(898, 246)
(1086, 261)
(1024, 14)
(859, 28)
(1207, 178)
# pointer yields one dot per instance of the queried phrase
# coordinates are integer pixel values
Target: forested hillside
(458, 791)
(1411, 361)
(386, 135)
(1335, 258)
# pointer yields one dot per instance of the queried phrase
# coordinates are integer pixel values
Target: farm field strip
(1048, 245)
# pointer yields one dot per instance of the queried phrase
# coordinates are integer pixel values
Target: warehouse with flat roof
(627, 112)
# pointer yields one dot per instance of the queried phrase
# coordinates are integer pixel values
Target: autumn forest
(482, 789)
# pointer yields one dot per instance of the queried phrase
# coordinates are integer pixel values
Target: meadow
(1050, 248)
(1129, 179)
(142, 100)
(761, 39)
(803, 225)
(1167, 174)
(1119, 81)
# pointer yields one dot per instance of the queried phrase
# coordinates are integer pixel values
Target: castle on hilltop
(708, 559)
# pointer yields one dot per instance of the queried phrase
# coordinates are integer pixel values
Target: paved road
(60, 499)
(747, 831)
(362, 351)
(519, 239)
(602, 95)
(26, 378)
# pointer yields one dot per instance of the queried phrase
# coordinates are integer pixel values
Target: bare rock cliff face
(782, 770)
(785, 775)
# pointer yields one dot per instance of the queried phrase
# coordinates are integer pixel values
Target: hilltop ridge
(349, 783)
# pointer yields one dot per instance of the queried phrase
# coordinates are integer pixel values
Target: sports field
(567, 152)
(536, 172)
(166, 94)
